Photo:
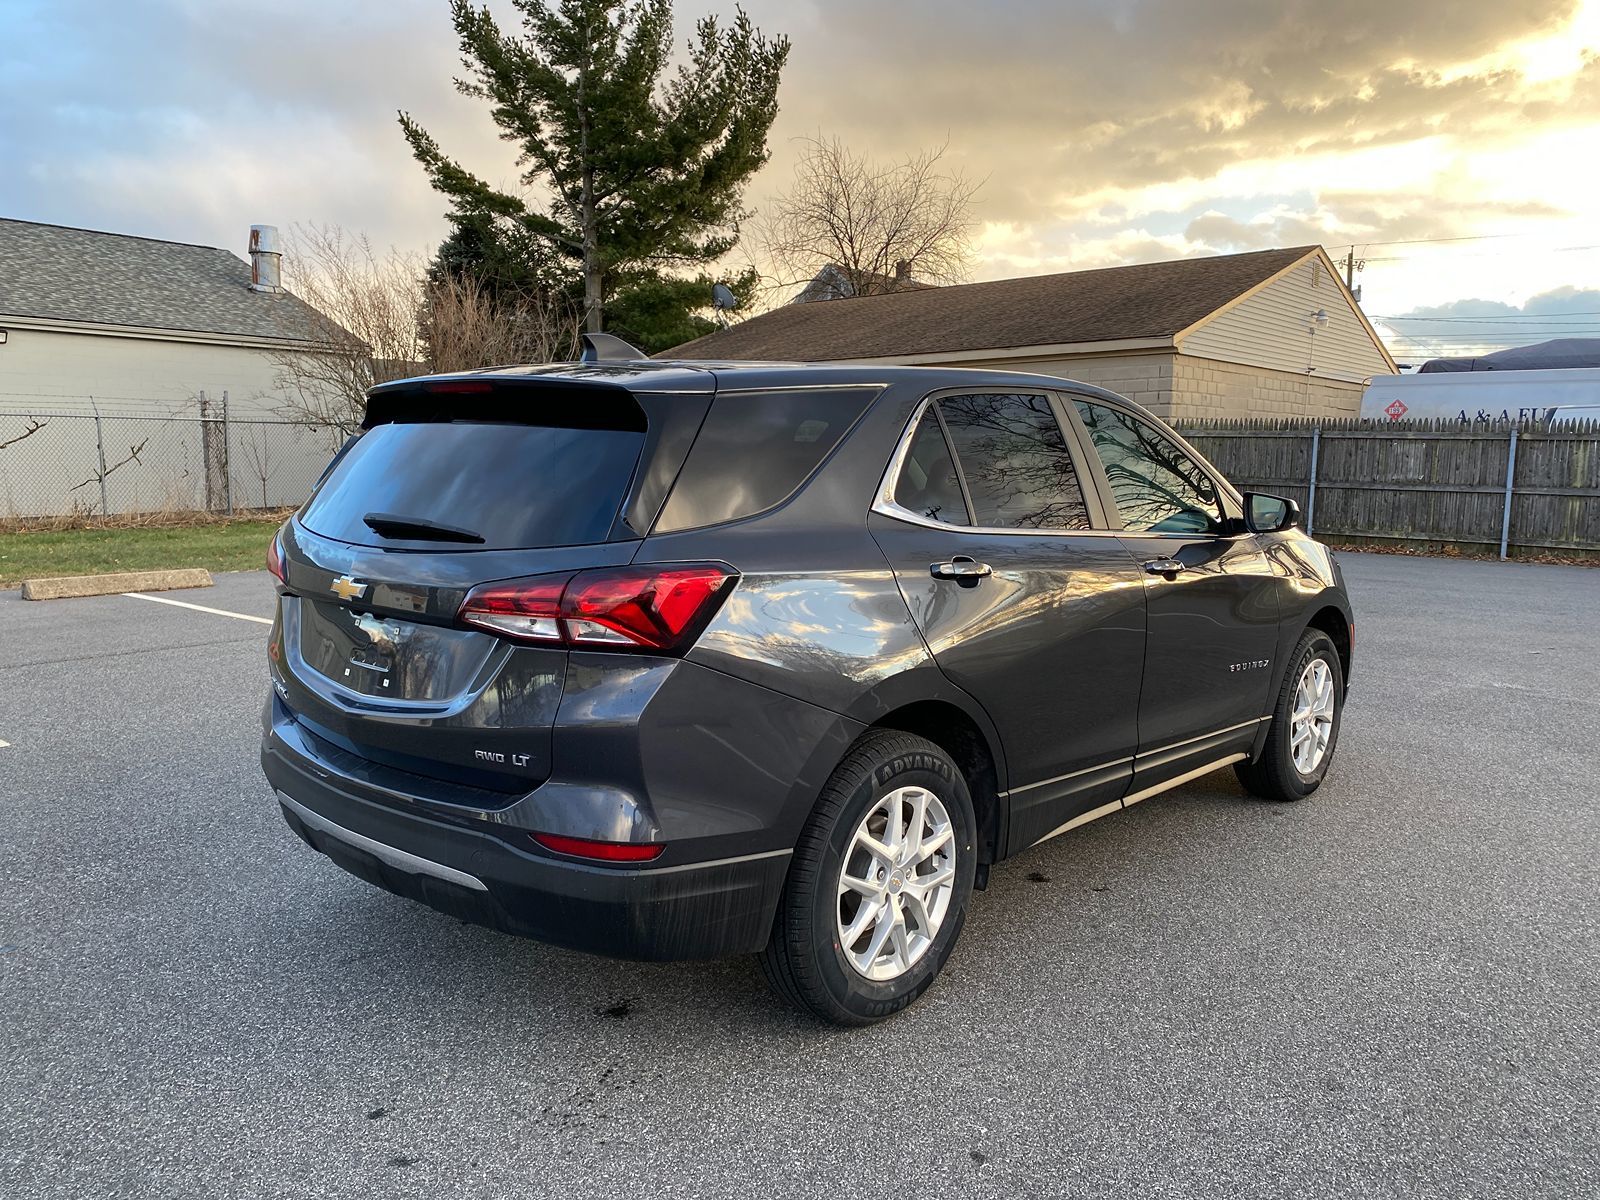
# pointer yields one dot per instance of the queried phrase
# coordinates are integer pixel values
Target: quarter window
(1158, 488)
(1018, 470)
(754, 450)
(928, 485)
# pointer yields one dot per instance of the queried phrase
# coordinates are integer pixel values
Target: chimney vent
(902, 271)
(266, 273)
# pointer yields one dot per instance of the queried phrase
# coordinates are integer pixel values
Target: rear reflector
(600, 851)
(661, 607)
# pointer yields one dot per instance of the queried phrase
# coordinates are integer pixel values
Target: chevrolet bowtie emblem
(347, 588)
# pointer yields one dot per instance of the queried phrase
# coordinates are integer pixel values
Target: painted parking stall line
(218, 612)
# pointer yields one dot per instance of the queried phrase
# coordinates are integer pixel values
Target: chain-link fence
(67, 464)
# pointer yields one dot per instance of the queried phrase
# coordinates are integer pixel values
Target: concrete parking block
(72, 586)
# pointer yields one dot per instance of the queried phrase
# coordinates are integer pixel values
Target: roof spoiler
(603, 347)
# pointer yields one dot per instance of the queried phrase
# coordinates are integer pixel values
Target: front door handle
(1168, 567)
(960, 567)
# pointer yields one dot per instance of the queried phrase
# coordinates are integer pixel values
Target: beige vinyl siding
(1145, 378)
(49, 371)
(1270, 329)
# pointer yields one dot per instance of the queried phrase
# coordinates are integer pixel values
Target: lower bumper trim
(400, 860)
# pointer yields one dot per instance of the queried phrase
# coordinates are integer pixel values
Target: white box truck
(1485, 396)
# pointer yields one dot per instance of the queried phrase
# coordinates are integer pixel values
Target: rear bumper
(477, 871)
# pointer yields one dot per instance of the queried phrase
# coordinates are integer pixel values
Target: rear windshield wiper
(417, 529)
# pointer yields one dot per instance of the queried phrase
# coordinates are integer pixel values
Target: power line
(1474, 237)
(1471, 337)
(1495, 254)
(1539, 318)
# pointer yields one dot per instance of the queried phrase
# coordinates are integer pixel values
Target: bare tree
(365, 331)
(466, 326)
(33, 427)
(259, 451)
(379, 317)
(881, 227)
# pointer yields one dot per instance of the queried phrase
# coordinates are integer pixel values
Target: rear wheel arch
(959, 735)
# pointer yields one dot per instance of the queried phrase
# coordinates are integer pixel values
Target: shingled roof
(55, 272)
(1150, 300)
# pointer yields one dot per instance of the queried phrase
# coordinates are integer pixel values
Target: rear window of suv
(755, 449)
(514, 485)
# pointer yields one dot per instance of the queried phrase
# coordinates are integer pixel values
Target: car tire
(1291, 767)
(809, 961)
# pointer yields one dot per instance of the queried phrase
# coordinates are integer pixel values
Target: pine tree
(640, 171)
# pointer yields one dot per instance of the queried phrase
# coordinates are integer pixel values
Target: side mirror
(1269, 514)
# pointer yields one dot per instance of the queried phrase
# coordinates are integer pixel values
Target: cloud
(1478, 325)
(1107, 130)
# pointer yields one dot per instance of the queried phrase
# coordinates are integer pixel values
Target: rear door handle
(1170, 567)
(960, 567)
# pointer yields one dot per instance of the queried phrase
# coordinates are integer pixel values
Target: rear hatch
(454, 483)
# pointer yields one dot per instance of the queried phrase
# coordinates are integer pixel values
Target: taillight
(521, 608)
(624, 608)
(275, 558)
(600, 851)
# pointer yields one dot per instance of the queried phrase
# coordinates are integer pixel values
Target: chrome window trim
(885, 504)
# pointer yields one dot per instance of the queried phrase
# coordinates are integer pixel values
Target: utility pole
(1350, 270)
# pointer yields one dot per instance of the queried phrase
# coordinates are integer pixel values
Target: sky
(1454, 144)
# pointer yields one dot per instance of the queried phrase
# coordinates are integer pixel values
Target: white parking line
(221, 612)
(3, 745)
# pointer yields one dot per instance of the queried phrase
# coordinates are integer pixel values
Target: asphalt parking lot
(1389, 990)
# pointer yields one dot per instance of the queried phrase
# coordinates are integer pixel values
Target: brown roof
(1150, 300)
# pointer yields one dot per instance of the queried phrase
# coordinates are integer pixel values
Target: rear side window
(515, 486)
(928, 485)
(1015, 460)
(755, 449)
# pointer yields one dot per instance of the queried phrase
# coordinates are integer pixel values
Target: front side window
(928, 485)
(1158, 488)
(1018, 470)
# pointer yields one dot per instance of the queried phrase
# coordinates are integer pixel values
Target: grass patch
(217, 545)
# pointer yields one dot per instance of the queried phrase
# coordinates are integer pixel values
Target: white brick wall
(1207, 388)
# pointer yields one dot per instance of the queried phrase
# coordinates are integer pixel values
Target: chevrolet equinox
(676, 660)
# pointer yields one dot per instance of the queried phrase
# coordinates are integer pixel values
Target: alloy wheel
(896, 883)
(1311, 722)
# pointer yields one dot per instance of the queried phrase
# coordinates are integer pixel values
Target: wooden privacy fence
(1530, 488)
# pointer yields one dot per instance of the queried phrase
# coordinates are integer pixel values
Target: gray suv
(670, 660)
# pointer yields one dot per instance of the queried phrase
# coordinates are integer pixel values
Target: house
(135, 326)
(139, 375)
(834, 282)
(1269, 333)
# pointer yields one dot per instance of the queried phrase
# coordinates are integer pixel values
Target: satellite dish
(723, 300)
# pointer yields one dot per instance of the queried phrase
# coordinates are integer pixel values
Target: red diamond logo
(1396, 410)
